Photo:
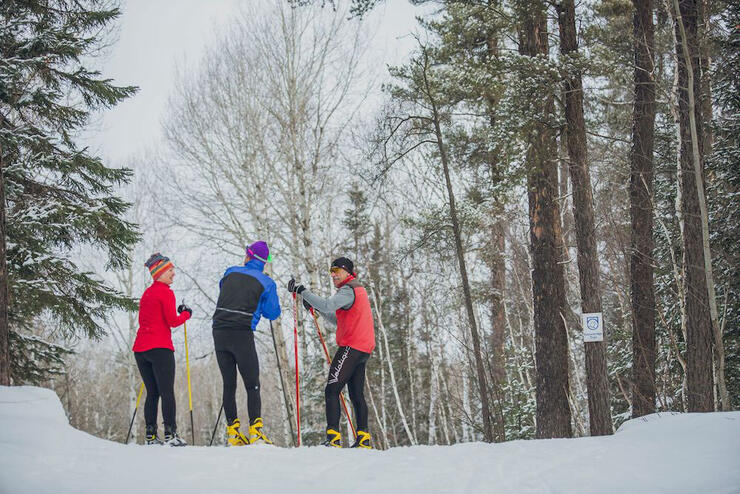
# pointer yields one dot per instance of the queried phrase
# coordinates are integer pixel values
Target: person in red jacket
(349, 309)
(153, 349)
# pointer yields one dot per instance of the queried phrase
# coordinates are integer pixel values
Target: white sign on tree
(593, 327)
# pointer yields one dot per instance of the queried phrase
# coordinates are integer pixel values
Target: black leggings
(157, 368)
(235, 348)
(348, 367)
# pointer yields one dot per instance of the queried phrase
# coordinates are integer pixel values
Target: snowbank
(666, 453)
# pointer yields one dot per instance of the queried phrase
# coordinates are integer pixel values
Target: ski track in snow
(662, 453)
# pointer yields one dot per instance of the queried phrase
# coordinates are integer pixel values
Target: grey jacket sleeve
(327, 307)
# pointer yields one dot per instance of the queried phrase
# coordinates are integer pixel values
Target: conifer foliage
(56, 194)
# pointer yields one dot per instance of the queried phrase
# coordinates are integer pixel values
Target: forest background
(484, 211)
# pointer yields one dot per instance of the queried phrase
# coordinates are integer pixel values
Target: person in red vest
(153, 349)
(349, 310)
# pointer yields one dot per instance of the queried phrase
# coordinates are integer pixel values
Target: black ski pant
(348, 367)
(235, 349)
(157, 368)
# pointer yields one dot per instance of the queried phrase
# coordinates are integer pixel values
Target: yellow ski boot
(235, 437)
(333, 439)
(255, 432)
(363, 440)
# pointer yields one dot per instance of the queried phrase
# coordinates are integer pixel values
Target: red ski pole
(328, 360)
(297, 379)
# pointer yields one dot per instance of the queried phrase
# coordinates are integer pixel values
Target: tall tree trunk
(548, 282)
(498, 322)
(583, 213)
(702, 322)
(495, 258)
(4, 328)
(641, 214)
(457, 233)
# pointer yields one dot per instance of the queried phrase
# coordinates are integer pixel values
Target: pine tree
(548, 281)
(699, 371)
(641, 208)
(583, 213)
(57, 195)
(723, 189)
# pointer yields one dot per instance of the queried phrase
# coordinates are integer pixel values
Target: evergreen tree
(57, 195)
(723, 189)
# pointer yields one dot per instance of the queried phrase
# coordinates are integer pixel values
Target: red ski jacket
(157, 314)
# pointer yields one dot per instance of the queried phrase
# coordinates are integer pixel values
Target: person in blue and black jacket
(246, 294)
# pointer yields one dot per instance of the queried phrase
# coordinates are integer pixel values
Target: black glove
(294, 288)
(184, 308)
(307, 305)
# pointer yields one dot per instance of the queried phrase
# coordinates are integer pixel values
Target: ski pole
(328, 360)
(282, 384)
(297, 379)
(131, 425)
(190, 392)
(216, 426)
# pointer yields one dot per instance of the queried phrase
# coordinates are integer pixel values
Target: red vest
(355, 327)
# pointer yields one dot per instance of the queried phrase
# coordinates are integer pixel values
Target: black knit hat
(344, 263)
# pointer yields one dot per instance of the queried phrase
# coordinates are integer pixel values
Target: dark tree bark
(583, 212)
(4, 329)
(548, 281)
(641, 215)
(700, 381)
(498, 321)
(497, 246)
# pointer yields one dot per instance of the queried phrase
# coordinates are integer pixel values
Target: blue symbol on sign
(592, 323)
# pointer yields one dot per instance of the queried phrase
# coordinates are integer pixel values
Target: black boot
(151, 435)
(171, 438)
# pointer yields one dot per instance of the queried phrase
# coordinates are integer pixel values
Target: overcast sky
(157, 36)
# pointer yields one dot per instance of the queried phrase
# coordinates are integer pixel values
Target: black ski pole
(216, 426)
(131, 425)
(282, 384)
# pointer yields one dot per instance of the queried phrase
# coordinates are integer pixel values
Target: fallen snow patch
(662, 453)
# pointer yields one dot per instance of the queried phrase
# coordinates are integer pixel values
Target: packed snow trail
(667, 453)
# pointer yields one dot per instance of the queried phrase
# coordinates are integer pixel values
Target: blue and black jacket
(246, 295)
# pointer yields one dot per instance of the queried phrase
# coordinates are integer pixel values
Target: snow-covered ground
(666, 453)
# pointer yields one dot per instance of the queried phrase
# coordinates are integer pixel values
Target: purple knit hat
(260, 251)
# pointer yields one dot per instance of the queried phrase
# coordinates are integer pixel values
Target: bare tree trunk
(457, 233)
(548, 282)
(583, 213)
(641, 213)
(410, 436)
(409, 344)
(701, 305)
(433, 390)
(467, 435)
(4, 299)
(381, 425)
(678, 270)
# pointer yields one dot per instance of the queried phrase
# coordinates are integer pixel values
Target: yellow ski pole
(190, 392)
(131, 425)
